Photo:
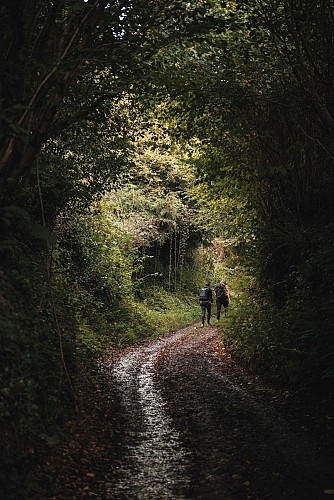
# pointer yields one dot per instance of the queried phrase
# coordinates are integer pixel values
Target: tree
(258, 99)
(50, 47)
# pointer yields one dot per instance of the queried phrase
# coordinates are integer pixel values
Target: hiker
(205, 300)
(222, 293)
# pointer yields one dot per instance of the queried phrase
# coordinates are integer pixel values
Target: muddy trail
(179, 419)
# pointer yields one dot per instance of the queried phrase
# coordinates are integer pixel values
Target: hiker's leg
(209, 312)
(203, 308)
(219, 308)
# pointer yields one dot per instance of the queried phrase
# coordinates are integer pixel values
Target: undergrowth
(290, 345)
(53, 328)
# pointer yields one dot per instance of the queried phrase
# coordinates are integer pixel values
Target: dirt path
(178, 419)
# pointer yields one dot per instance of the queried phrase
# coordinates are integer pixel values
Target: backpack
(204, 294)
(220, 292)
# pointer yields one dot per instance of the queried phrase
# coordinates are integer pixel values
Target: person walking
(206, 300)
(222, 293)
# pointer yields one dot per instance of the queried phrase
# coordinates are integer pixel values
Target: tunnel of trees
(146, 145)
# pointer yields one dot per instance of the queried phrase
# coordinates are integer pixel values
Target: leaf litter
(178, 418)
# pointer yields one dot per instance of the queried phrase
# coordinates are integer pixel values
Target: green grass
(136, 321)
(160, 312)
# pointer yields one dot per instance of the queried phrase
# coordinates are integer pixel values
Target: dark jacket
(224, 297)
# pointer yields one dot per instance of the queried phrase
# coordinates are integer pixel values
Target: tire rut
(178, 419)
(245, 446)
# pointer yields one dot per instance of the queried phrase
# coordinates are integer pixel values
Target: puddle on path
(155, 463)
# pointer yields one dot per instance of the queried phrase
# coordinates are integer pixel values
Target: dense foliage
(73, 270)
(133, 135)
(263, 114)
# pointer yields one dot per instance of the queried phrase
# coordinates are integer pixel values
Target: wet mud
(155, 462)
(179, 419)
